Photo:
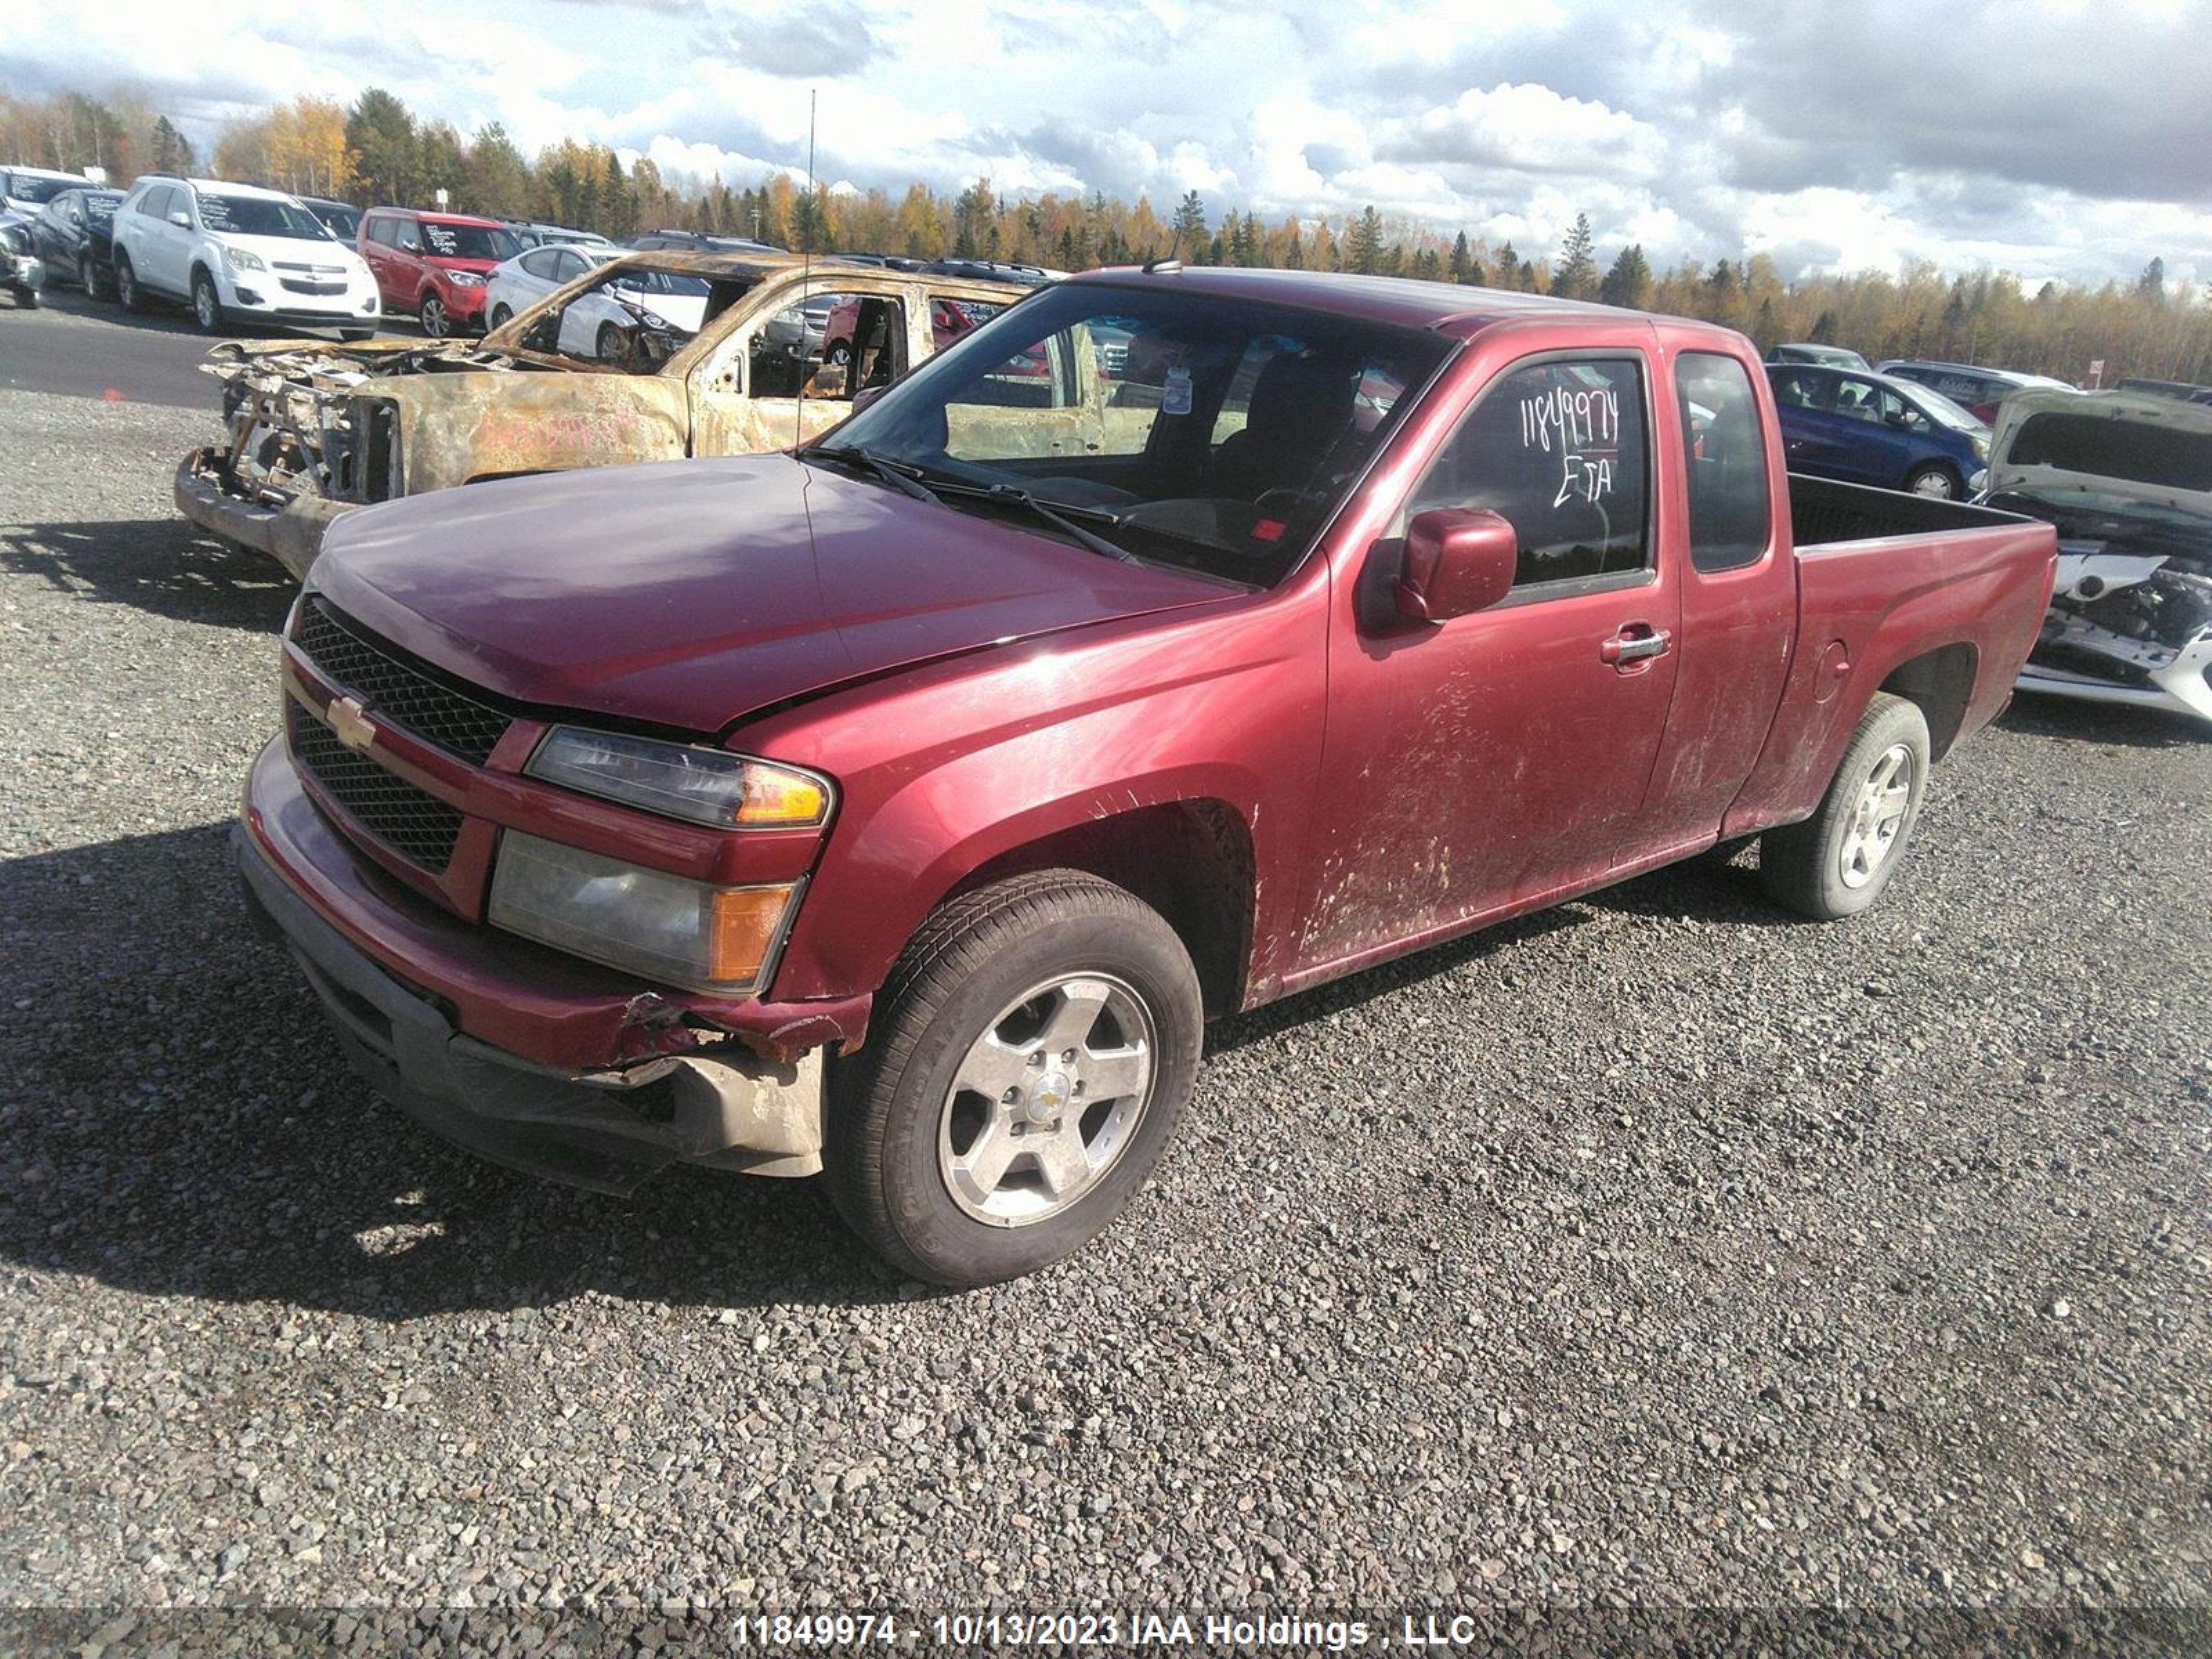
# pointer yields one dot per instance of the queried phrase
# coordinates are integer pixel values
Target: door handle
(1634, 643)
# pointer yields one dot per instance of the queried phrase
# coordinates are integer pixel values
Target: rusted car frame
(315, 430)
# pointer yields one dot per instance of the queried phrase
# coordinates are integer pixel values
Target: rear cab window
(1731, 508)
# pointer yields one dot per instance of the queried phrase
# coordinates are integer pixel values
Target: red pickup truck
(899, 809)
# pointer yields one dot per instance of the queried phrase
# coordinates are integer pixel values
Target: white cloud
(2059, 144)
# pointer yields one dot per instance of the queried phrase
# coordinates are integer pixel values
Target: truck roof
(1451, 307)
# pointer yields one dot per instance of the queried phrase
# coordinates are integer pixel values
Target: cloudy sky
(2066, 139)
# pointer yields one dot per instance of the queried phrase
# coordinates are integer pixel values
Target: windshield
(29, 187)
(1212, 435)
(447, 241)
(341, 221)
(260, 216)
(1941, 409)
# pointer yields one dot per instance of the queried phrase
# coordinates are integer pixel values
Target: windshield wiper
(1060, 515)
(930, 487)
(896, 473)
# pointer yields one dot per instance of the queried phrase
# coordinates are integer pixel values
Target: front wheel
(28, 297)
(1837, 861)
(435, 323)
(127, 292)
(1033, 1050)
(207, 304)
(1936, 482)
(498, 319)
(87, 277)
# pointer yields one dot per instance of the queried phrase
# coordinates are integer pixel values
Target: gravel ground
(1657, 1250)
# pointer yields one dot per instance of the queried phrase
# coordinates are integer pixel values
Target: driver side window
(1558, 449)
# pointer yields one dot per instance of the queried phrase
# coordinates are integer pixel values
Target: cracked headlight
(667, 927)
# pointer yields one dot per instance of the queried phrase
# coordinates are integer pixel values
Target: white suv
(238, 253)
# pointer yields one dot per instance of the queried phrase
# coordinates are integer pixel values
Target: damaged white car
(2128, 480)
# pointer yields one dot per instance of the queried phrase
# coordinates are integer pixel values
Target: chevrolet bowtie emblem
(351, 722)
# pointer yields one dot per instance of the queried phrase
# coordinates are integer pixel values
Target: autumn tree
(304, 149)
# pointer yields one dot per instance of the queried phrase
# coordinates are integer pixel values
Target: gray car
(22, 273)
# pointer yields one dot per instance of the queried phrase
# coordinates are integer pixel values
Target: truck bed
(1898, 591)
(1822, 511)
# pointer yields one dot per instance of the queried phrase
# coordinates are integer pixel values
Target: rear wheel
(435, 322)
(1837, 861)
(1934, 480)
(1032, 1053)
(207, 304)
(127, 284)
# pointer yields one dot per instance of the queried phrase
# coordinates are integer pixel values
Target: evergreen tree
(382, 133)
(1577, 275)
(2152, 283)
(1189, 226)
(1363, 243)
(1466, 268)
(1509, 267)
(1628, 281)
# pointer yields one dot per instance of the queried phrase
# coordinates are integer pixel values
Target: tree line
(377, 150)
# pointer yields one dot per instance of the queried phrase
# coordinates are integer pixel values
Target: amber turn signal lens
(742, 930)
(773, 796)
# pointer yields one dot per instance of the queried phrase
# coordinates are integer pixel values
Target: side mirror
(181, 219)
(410, 245)
(1457, 561)
(868, 394)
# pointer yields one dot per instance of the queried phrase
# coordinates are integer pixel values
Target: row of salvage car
(595, 358)
(771, 350)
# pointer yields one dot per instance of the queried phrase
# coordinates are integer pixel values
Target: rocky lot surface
(1657, 1250)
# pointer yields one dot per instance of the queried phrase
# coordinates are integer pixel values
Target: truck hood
(690, 594)
(2124, 445)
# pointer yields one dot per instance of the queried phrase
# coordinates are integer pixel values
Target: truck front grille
(400, 694)
(419, 827)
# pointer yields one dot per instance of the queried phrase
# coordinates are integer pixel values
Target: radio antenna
(805, 273)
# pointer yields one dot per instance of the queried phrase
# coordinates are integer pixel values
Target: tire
(207, 304)
(840, 354)
(1027, 960)
(87, 277)
(1935, 481)
(436, 323)
(610, 344)
(27, 298)
(1840, 861)
(128, 294)
(499, 318)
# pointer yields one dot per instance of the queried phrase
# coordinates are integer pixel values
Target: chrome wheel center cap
(1050, 1095)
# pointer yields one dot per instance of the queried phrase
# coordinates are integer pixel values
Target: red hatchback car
(434, 265)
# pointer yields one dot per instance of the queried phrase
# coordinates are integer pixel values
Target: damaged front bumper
(607, 1127)
(291, 532)
(2126, 628)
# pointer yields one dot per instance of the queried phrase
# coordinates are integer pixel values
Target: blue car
(1876, 429)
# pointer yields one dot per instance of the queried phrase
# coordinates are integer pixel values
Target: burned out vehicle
(2127, 478)
(315, 431)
